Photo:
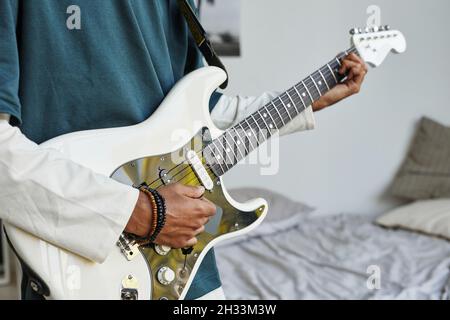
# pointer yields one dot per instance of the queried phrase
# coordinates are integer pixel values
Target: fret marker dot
(228, 150)
(218, 157)
(249, 134)
(238, 142)
(304, 94)
(289, 105)
(271, 126)
(320, 83)
(265, 115)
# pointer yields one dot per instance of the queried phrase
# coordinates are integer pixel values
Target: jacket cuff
(304, 121)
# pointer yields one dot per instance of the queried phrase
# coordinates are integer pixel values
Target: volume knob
(162, 250)
(166, 276)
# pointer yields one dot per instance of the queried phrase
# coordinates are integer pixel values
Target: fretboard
(237, 142)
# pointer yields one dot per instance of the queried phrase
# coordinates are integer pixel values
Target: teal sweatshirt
(70, 65)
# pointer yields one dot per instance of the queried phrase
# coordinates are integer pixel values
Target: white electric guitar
(178, 143)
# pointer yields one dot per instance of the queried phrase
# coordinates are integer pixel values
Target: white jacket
(48, 195)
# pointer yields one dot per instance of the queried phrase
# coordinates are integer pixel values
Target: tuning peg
(354, 31)
(386, 28)
(374, 29)
(367, 30)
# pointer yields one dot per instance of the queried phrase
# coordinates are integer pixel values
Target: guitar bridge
(130, 249)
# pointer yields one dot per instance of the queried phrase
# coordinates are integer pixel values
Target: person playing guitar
(75, 65)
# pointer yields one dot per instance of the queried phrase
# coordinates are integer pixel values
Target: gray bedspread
(299, 254)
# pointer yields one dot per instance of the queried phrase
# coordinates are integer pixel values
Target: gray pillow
(425, 174)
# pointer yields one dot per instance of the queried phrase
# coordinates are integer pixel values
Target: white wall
(349, 160)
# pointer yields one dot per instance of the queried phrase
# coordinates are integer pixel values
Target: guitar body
(132, 155)
(167, 148)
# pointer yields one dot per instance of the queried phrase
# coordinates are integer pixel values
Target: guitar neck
(237, 142)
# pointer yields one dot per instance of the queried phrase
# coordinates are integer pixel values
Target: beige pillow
(425, 174)
(426, 216)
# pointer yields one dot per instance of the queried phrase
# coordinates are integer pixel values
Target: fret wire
(235, 144)
(260, 130)
(270, 115)
(250, 144)
(339, 63)
(278, 106)
(315, 84)
(263, 130)
(328, 71)
(231, 147)
(332, 73)
(251, 129)
(214, 167)
(273, 108)
(240, 138)
(303, 83)
(285, 108)
(298, 93)
(264, 121)
(218, 157)
(311, 88)
(276, 109)
(287, 104)
(226, 154)
(293, 103)
(321, 74)
(299, 105)
(208, 155)
(321, 82)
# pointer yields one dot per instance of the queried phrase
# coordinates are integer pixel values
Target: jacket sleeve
(55, 199)
(230, 110)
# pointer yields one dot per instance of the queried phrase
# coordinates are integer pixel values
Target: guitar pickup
(199, 169)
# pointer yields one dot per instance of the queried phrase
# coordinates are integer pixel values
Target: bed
(298, 253)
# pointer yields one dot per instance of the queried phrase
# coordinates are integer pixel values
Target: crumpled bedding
(299, 254)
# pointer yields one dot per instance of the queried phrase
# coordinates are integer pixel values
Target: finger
(192, 192)
(358, 74)
(210, 208)
(191, 242)
(199, 230)
(354, 57)
(357, 59)
(346, 66)
(350, 76)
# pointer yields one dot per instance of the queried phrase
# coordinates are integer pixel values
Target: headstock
(374, 44)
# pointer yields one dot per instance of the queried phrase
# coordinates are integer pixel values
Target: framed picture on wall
(4, 258)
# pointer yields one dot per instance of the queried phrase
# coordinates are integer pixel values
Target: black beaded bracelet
(160, 218)
(161, 209)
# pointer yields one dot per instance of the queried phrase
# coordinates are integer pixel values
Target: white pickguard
(181, 115)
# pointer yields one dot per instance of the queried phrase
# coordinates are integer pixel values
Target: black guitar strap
(201, 39)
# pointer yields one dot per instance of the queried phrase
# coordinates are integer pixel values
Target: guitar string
(275, 106)
(321, 72)
(270, 108)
